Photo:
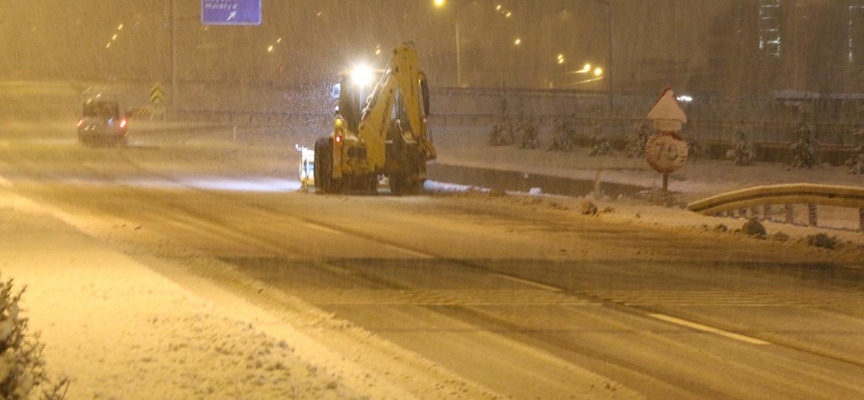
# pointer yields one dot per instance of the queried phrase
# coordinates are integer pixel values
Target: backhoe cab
(380, 130)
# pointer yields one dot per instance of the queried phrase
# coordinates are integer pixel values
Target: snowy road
(518, 295)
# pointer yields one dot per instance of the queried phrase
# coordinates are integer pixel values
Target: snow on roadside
(674, 220)
(121, 331)
(695, 180)
(462, 146)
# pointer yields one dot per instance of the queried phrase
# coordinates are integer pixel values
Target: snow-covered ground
(695, 180)
(122, 331)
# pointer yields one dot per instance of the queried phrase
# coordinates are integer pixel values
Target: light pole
(441, 4)
(609, 65)
(174, 91)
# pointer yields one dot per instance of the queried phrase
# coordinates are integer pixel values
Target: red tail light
(80, 122)
(339, 139)
(123, 123)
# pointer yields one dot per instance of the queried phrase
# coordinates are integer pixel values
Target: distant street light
(441, 4)
(608, 4)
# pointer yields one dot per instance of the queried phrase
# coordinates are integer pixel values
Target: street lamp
(441, 4)
(608, 4)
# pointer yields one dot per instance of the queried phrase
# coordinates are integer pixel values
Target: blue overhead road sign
(231, 12)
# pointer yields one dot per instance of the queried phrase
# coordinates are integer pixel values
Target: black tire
(324, 165)
(403, 186)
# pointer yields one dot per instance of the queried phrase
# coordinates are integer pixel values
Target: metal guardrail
(752, 199)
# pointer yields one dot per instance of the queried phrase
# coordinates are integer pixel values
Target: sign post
(665, 151)
(156, 96)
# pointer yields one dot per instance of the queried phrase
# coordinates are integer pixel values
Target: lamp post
(609, 63)
(174, 91)
(441, 4)
(458, 54)
(608, 74)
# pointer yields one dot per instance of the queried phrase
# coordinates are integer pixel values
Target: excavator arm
(402, 79)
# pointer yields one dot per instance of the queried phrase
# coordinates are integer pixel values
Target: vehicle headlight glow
(362, 75)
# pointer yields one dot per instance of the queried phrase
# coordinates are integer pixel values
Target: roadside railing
(757, 201)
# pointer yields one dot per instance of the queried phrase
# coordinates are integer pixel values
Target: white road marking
(323, 228)
(335, 269)
(389, 246)
(529, 283)
(408, 251)
(705, 328)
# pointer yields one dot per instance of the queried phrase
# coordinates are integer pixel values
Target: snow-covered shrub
(822, 240)
(780, 237)
(586, 207)
(639, 135)
(803, 145)
(502, 132)
(600, 145)
(695, 150)
(527, 134)
(22, 368)
(856, 160)
(754, 228)
(742, 153)
(562, 135)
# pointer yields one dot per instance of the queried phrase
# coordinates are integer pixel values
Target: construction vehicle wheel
(324, 165)
(400, 186)
(372, 185)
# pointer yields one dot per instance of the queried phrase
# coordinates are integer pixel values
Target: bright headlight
(362, 75)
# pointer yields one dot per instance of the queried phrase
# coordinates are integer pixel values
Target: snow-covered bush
(639, 135)
(754, 228)
(502, 132)
(856, 161)
(563, 135)
(586, 207)
(742, 153)
(695, 149)
(22, 368)
(803, 145)
(600, 145)
(822, 240)
(527, 133)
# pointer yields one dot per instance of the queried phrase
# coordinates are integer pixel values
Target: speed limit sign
(666, 152)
